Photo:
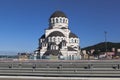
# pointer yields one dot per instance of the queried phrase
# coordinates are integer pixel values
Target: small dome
(56, 33)
(72, 35)
(58, 14)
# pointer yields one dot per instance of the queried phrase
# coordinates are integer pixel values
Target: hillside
(101, 46)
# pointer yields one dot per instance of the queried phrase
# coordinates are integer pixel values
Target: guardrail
(62, 68)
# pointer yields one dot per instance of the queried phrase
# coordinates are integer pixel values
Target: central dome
(58, 14)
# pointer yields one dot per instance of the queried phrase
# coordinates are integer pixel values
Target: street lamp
(105, 41)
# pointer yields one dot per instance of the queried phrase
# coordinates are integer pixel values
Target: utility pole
(105, 42)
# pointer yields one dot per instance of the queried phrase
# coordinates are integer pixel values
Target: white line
(58, 78)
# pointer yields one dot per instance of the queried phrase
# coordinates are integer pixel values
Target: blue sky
(22, 22)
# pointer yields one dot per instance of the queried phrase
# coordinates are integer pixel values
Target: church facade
(58, 42)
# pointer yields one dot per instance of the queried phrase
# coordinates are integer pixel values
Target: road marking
(58, 78)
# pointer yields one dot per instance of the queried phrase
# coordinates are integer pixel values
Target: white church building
(58, 42)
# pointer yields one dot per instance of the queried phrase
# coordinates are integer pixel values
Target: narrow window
(56, 20)
(66, 21)
(75, 41)
(53, 21)
(60, 20)
(53, 39)
(72, 57)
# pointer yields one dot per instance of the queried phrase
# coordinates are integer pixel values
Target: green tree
(96, 53)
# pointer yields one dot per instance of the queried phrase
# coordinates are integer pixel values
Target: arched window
(75, 41)
(58, 39)
(69, 57)
(64, 44)
(72, 57)
(53, 21)
(66, 21)
(61, 39)
(60, 20)
(53, 39)
(56, 20)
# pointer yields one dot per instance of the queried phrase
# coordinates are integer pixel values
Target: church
(58, 42)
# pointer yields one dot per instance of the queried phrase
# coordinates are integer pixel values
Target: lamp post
(105, 42)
